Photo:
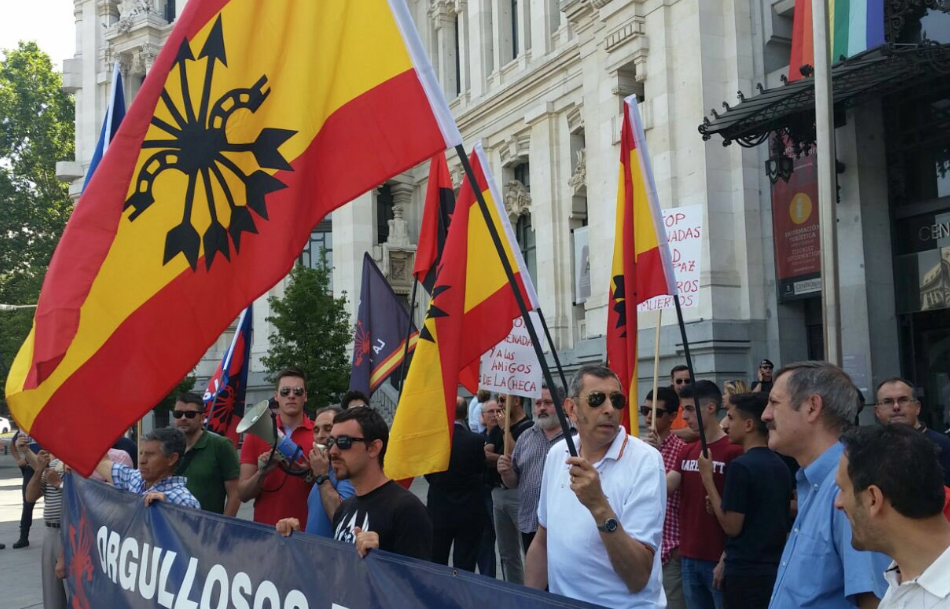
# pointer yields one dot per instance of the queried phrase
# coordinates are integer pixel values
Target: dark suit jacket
(460, 487)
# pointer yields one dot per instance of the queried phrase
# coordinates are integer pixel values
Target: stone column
(480, 45)
(868, 330)
(442, 14)
(353, 231)
(550, 221)
(544, 19)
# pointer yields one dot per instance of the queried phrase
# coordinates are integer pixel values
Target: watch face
(611, 525)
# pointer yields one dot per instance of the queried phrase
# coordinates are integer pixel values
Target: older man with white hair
(523, 468)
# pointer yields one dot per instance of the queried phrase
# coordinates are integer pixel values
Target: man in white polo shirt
(600, 516)
(892, 492)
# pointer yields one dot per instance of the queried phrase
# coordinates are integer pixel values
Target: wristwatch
(321, 479)
(610, 525)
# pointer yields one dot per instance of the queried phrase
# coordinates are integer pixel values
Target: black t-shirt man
(496, 438)
(395, 514)
(758, 485)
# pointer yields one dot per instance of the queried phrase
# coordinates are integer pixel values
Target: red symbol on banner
(362, 343)
(80, 567)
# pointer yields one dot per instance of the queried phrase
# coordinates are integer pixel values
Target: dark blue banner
(120, 553)
(382, 327)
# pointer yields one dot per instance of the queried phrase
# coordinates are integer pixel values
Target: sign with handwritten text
(684, 232)
(512, 366)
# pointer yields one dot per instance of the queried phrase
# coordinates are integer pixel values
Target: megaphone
(259, 422)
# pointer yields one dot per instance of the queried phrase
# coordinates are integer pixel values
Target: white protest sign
(512, 366)
(684, 232)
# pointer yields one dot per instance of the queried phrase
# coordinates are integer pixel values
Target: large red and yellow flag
(642, 267)
(257, 119)
(471, 310)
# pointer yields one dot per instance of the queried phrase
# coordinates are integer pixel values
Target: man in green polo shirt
(210, 463)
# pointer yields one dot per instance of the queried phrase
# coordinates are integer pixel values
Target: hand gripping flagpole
(506, 264)
(692, 377)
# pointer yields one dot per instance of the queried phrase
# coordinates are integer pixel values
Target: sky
(49, 22)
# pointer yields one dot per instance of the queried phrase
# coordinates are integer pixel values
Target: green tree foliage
(311, 331)
(37, 129)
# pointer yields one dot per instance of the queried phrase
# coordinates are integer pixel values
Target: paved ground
(20, 569)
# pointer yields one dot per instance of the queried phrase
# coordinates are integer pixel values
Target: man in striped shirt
(670, 446)
(524, 467)
(48, 482)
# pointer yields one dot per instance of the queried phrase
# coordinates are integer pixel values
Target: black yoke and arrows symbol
(197, 146)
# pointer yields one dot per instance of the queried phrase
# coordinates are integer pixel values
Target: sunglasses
(645, 410)
(343, 442)
(596, 398)
(682, 381)
(188, 414)
(298, 391)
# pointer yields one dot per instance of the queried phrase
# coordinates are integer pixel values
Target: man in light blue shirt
(327, 493)
(810, 405)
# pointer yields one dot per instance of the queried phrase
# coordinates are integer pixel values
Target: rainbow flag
(642, 266)
(258, 118)
(854, 26)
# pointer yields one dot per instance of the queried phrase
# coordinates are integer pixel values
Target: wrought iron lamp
(779, 165)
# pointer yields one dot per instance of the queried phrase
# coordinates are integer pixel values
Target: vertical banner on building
(512, 365)
(684, 232)
(795, 232)
(581, 265)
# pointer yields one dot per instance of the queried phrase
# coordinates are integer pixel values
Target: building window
(458, 59)
(523, 175)
(321, 241)
(384, 213)
(525, 236)
(170, 12)
(514, 28)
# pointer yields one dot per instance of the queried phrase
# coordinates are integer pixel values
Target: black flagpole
(403, 366)
(692, 377)
(557, 360)
(496, 239)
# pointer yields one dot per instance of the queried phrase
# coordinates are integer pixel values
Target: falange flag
(257, 119)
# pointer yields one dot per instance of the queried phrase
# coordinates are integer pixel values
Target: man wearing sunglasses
(276, 493)
(763, 380)
(600, 516)
(671, 447)
(381, 514)
(328, 492)
(210, 463)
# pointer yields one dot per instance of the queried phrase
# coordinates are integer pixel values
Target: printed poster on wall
(512, 366)
(795, 231)
(684, 232)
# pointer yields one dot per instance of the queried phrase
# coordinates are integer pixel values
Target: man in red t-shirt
(701, 537)
(277, 494)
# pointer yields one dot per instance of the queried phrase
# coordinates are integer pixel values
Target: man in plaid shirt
(524, 467)
(162, 449)
(670, 446)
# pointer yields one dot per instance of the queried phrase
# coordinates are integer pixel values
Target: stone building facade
(541, 83)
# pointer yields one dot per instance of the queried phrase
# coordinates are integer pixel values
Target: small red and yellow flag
(257, 119)
(471, 310)
(642, 267)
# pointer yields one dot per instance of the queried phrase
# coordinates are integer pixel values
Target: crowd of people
(743, 496)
